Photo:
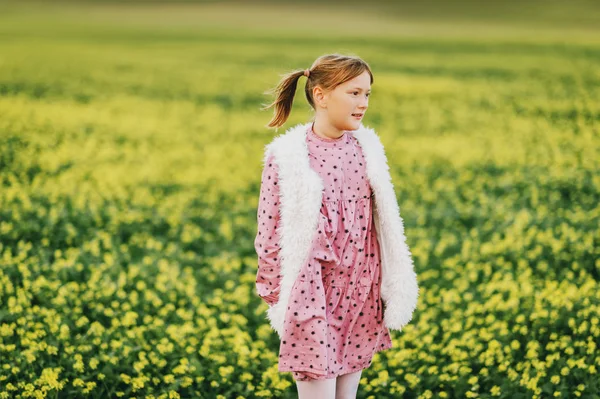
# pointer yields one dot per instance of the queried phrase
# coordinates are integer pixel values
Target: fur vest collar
(301, 191)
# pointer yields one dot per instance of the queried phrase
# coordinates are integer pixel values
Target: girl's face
(346, 100)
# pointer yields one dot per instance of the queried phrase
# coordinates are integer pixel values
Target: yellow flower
(78, 382)
(51, 350)
(126, 379)
(138, 382)
(383, 376)
(592, 369)
(49, 378)
(426, 395)
(78, 366)
(412, 379)
(82, 321)
(93, 363)
(89, 386)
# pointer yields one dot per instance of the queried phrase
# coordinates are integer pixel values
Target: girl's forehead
(359, 83)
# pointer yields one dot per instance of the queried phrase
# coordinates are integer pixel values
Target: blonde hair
(328, 71)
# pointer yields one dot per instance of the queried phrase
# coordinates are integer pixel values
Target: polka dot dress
(334, 320)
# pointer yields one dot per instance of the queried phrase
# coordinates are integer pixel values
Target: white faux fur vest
(301, 190)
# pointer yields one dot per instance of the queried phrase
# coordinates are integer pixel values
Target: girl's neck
(334, 135)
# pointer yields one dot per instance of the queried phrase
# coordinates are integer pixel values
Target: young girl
(332, 256)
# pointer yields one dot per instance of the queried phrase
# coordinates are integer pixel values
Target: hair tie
(306, 72)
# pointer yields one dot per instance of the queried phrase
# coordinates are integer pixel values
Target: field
(131, 141)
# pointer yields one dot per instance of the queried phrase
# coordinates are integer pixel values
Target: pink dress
(335, 322)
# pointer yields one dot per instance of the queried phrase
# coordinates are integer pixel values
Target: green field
(131, 141)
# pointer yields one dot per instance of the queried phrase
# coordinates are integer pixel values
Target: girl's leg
(316, 389)
(347, 385)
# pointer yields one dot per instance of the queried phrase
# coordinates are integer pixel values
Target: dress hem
(364, 365)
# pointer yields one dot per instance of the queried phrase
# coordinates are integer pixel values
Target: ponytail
(284, 92)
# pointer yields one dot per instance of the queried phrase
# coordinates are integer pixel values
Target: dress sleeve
(268, 277)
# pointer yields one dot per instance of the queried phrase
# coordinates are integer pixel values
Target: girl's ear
(320, 97)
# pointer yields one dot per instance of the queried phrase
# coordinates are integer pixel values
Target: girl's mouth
(358, 116)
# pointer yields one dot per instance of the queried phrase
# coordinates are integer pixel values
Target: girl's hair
(328, 71)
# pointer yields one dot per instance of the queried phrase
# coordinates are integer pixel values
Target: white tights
(342, 387)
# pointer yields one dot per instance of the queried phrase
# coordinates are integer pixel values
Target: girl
(333, 264)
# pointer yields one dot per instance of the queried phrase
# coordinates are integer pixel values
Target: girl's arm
(266, 243)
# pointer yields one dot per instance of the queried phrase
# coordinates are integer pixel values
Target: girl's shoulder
(287, 142)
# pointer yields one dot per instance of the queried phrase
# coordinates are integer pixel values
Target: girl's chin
(350, 125)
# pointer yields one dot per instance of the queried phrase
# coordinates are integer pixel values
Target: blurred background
(131, 141)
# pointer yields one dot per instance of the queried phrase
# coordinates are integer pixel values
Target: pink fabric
(334, 322)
